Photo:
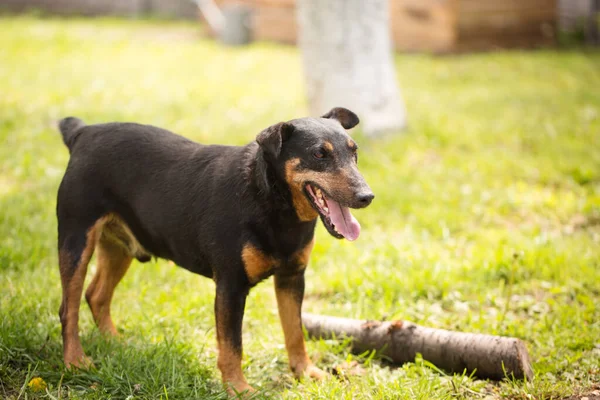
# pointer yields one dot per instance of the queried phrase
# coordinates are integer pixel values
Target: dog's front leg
(229, 312)
(289, 289)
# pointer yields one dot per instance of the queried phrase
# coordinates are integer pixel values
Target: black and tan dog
(233, 214)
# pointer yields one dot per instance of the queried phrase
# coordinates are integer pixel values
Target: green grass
(487, 216)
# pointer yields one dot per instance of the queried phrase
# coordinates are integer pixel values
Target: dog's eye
(356, 157)
(320, 154)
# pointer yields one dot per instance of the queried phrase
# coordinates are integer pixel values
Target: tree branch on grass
(486, 356)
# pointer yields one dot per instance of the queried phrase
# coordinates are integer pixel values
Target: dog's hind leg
(113, 262)
(76, 243)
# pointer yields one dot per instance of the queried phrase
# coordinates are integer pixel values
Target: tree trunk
(488, 357)
(346, 51)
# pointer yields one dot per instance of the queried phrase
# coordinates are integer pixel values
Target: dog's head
(318, 160)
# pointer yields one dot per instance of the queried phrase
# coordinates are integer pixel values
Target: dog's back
(151, 178)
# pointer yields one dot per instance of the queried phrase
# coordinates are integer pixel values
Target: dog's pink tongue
(344, 221)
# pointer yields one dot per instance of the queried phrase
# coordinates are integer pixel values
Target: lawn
(487, 215)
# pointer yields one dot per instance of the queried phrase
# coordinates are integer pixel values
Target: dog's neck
(262, 174)
(268, 185)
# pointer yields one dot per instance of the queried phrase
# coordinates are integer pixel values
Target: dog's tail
(69, 128)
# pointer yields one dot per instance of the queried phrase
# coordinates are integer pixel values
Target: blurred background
(480, 138)
(426, 25)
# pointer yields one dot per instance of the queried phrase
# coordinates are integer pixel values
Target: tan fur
(230, 365)
(72, 351)
(256, 263)
(291, 322)
(338, 183)
(304, 209)
(116, 246)
(113, 263)
(229, 360)
(328, 146)
(116, 231)
(351, 144)
(289, 313)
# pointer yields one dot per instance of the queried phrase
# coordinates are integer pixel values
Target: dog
(235, 214)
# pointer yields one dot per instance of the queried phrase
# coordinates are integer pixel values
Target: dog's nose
(365, 198)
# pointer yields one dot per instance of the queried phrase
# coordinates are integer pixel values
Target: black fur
(346, 117)
(68, 128)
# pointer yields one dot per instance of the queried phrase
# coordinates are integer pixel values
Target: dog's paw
(315, 372)
(240, 390)
(80, 362)
(310, 371)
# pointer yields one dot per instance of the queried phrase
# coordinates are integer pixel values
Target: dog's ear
(272, 138)
(344, 116)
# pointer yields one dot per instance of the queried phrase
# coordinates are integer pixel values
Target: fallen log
(486, 356)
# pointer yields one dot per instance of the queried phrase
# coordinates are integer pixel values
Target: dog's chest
(260, 265)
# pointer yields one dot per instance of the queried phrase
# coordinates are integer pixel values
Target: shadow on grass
(124, 366)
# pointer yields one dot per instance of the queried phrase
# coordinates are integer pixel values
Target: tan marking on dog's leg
(113, 263)
(290, 315)
(230, 365)
(229, 360)
(304, 209)
(256, 263)
(73, 353)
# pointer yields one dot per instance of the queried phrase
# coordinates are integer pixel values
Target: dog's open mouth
(337, 219)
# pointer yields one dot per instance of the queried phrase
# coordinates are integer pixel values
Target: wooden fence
(417, 25)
